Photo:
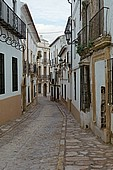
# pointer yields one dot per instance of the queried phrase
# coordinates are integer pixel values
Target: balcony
(45, 61)
(98, 25)
(43, 77)
(96, 34)
(11, 21)
(32, 68)
(83, 36)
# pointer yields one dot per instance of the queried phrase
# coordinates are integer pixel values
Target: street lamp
(68, 36)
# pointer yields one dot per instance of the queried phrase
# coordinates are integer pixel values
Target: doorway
(45, 90)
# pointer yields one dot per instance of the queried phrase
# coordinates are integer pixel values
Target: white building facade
(91, 51)
(43, 62)
(30, 82)
(12, 32)
(58, 57)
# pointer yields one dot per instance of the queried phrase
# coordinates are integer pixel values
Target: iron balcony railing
(11, 21)
(98, 25)
(83, 36)
(43, 77)
(47, 77)
(45, 61)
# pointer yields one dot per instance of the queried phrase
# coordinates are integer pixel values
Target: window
(14, 74)
(39, 88)
(34, 91)
(2, 76)
(62, 90)
(85, 88)
(110, 81)
(31, 56)
(52, 91)
(45, 70)
(65, 92)
(39, 71)
(28, 94)
(45, 55)
(75, 84)
(68, 57)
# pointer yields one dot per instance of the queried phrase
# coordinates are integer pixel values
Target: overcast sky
(49, 16)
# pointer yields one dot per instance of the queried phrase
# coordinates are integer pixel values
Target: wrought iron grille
(110, 81)
(82, 36)
(2, 76)
(85, 88)
(14, 74)
(98, 25)
(11, 21)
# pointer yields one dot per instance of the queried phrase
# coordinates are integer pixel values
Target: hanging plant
(90, 44)
(80, 49)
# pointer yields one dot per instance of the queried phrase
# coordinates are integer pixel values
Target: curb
(61, 157)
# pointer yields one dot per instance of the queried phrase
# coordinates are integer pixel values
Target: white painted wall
(43, 46)
(99, 81)
(10, 52)
(77, 101)
(75, 57)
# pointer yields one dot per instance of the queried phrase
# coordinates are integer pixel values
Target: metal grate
(110, 81)
(85, 88)
(14, 74)
(2, 76)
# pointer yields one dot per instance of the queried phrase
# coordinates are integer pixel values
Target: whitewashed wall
(99, 81)
(10, 52)
(75, 57)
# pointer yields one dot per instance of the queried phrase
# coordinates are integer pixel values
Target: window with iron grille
(14, 74)
(103, 107)
(75, 84)
(34, 91)
(39, 88)
(2, 76)
(85, 88)
(45, 55)
(28, 94)
(110, 81)
(39, 71)
(45, 70)
(62, 90)
(65, 92)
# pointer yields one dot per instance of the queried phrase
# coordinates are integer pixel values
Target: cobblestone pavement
(83, 150)
(32, 142)
(45, 139)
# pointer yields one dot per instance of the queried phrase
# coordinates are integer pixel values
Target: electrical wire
(50, 32)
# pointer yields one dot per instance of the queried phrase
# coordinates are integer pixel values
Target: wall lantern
(68, 36)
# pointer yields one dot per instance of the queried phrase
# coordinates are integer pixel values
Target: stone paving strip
(83, 150)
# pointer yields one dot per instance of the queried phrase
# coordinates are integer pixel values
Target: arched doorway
(45, 90)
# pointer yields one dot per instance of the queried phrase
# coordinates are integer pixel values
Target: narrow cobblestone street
(49, 138)
(34, 143)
